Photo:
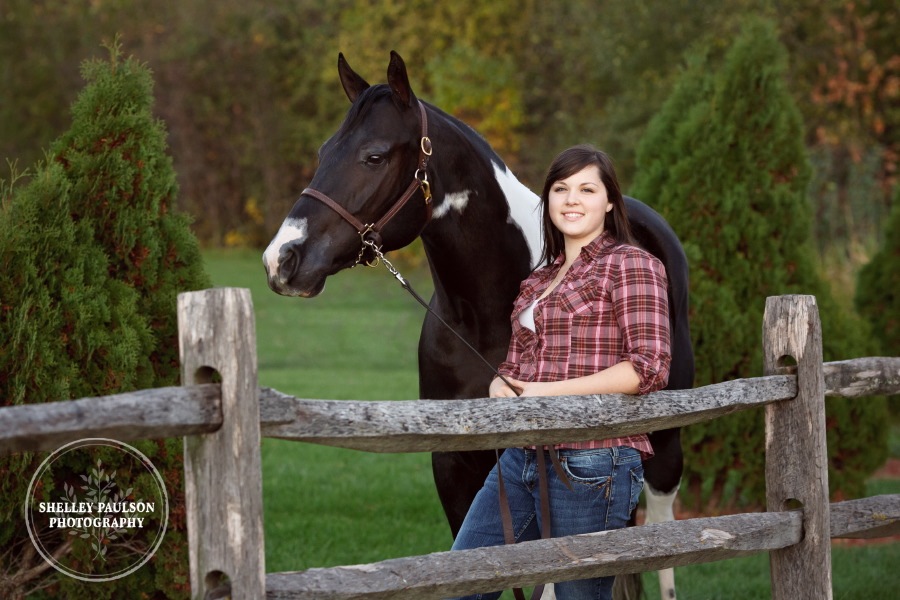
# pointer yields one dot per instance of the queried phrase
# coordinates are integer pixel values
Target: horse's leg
(662, 474)
(660, 509)
(458, 476)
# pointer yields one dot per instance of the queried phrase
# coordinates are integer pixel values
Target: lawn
(326, 507)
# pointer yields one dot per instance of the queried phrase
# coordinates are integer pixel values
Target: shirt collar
(602, 244)
(599, 246)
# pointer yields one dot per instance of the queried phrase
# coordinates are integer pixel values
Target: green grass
(356, 340)
(858, 573)
(326, 507)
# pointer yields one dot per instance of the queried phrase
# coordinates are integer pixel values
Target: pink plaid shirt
(610, 307)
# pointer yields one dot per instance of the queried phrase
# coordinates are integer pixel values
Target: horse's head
(370, 185)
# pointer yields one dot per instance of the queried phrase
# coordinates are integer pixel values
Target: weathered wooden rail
(414, 425)
(223, 422)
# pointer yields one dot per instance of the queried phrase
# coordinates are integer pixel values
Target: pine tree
(94, 255)
(124, 184)
(878, 291)
(724, 162)
(66, 329)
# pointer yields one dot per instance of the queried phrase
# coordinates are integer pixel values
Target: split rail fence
(222, 424)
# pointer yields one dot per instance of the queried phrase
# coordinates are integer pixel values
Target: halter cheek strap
(370, 234)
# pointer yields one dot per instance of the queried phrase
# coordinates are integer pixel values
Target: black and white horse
(397, 169)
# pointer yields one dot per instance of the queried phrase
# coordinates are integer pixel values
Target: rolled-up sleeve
(511, 367)
(642, 311)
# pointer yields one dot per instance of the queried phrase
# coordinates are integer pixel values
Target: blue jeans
(607, 483)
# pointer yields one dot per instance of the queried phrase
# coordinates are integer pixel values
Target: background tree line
(249, 90)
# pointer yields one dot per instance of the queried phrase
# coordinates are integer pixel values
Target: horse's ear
(399, 82)
(354, 85)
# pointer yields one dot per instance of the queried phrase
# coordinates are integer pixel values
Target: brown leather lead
(509, 535)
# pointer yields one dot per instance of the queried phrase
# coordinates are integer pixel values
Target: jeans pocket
(588, 469)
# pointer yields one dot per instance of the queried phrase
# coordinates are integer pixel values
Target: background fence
(223, 413)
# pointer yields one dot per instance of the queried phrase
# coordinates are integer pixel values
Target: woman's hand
(499, 389)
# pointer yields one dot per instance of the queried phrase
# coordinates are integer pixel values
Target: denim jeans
(606, 485)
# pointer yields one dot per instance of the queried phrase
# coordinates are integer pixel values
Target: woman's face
(578, 205)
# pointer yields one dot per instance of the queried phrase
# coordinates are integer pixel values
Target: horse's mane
(473, 136)
(377, 92)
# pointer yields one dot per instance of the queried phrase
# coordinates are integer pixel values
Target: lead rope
(505, 514)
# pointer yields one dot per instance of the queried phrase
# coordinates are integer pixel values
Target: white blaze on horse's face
(524, 210)
(292, 230)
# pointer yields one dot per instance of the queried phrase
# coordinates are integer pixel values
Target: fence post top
(215, 292)
(790, 324)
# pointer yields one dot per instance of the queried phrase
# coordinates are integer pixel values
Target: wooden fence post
(796, 454)
(222, 479)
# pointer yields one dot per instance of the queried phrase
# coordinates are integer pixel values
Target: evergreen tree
(93, 258)
(724, 162)
(124, 184)
(878, 291)
(66, 329)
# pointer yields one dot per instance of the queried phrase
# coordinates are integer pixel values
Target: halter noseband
(370, 233)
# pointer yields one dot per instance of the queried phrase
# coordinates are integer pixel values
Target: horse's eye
(374, 160)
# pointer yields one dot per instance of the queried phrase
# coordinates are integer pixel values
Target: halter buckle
(422, 177)
(369, 243)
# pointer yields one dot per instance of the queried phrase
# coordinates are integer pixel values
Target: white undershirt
(526, 317)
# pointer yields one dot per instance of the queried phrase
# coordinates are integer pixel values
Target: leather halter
(370, 233)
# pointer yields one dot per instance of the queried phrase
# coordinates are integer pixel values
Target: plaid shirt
(610, 307)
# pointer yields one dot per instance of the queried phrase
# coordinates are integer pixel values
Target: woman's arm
(642, 311)
(620, 378)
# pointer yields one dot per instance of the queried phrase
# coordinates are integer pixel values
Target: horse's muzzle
(286, 275)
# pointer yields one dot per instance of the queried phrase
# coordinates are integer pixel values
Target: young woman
(593, 320)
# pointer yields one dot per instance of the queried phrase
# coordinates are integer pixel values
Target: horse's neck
(485, 234)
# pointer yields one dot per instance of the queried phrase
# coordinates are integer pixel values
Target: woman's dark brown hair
(566, 164)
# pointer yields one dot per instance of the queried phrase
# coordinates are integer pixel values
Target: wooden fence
(222, 423)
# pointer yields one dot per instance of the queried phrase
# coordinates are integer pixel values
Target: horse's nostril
(290, 262)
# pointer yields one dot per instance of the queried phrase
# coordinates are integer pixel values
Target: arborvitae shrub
(724, 162)
(878, 292)
(93, 257)
(67, 329)
(123, 182)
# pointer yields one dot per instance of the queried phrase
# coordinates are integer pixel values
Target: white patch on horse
(660, 508)
(456, 201)
(291, 230)
(659, 505)
(524, 210)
